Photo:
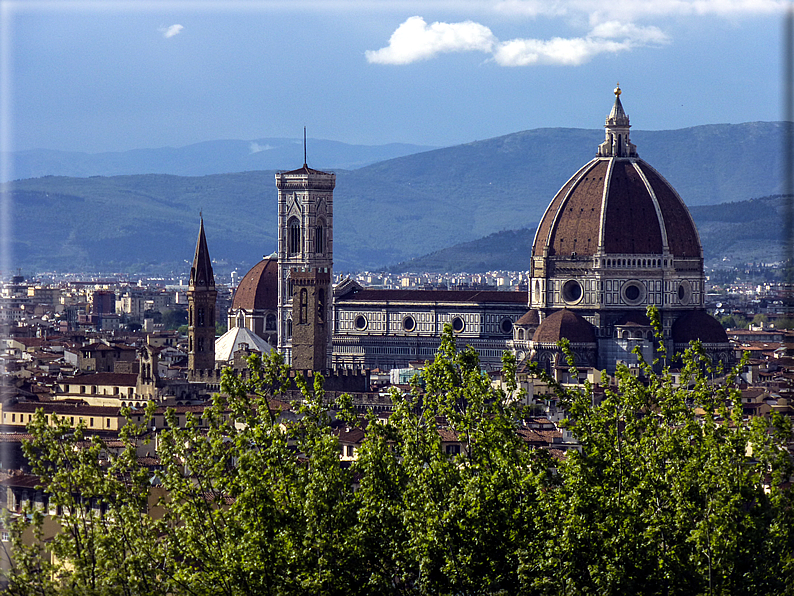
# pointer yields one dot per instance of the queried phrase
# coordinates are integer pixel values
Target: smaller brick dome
(258, 290)
(565, 324)
(530, 319)
(698, 325)
(633, 319)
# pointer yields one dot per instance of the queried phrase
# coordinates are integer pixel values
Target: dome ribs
(576, 229)
(682, 235)
(542, 235)
(631, 225)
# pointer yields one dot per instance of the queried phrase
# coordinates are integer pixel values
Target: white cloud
(566, 52)
(255, 147)
(637, 9)
(414, 40)
(170, 31)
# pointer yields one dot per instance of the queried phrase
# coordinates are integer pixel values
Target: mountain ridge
(385, 213)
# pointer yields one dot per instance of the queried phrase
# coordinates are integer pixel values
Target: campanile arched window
(293, 236)
(304, 307)
(319, 237)
(321, 305)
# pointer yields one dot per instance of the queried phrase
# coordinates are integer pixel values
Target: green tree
(174, 318)
(673, 492)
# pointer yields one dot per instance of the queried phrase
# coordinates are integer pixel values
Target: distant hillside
(388, 212)
(508, 250)
(731, 233)
(201, 159)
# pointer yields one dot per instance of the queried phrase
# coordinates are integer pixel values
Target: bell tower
(305, 248)
(201, 296)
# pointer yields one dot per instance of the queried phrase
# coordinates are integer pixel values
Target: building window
(321, 305)
(303, 315)
(458, 325)
(289, 328)
(571, 291)
(319, 239)
(270, 322)
(294, 238)
(409, 324)
(360, 323)
(200, 346)
(506, 326)
(200, 317)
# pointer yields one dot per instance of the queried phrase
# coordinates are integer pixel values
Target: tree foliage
(672, 492)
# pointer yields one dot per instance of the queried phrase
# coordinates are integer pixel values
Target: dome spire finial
(617, 126)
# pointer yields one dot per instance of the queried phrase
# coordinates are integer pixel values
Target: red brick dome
(258, 290)
(617, 204)
(529, 319)
(698, 324)
(564, 324)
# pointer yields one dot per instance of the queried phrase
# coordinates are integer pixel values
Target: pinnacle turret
(617, 126)
(201, 274)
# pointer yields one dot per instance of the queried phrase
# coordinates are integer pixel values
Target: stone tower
(201, 296)
(305, 256)
(310, 328)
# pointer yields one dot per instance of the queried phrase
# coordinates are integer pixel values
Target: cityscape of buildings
(615, 240)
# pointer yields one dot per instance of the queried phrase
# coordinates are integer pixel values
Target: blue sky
(117, 75)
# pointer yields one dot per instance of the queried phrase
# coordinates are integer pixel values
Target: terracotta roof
(258, 290)
(615, 202)
(698, 324)
(573, 221)
(564, 324)
(634, 319)
(107, 378)
(61, 409)
(631, 224)
(682, 235)
(529, 319)
(304, 169)
(434, 296)
(21, 480)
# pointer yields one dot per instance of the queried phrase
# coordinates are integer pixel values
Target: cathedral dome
(617, 204)
(698, 325)
(529, 319)
(564, 324)
(258, 290)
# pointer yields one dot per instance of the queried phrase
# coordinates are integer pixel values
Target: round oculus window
(409, 324)
(457, 325)
(684, 292)
(633, 292)
(361, 322)
(571, 291)
(506, 326)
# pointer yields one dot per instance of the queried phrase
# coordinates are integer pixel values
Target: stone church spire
(201, 274)
(201, 297)
(617, 126)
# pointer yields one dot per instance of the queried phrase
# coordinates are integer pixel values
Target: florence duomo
(461, 340)
(616, 239)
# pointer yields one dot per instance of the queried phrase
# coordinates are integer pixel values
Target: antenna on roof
(304, 145)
